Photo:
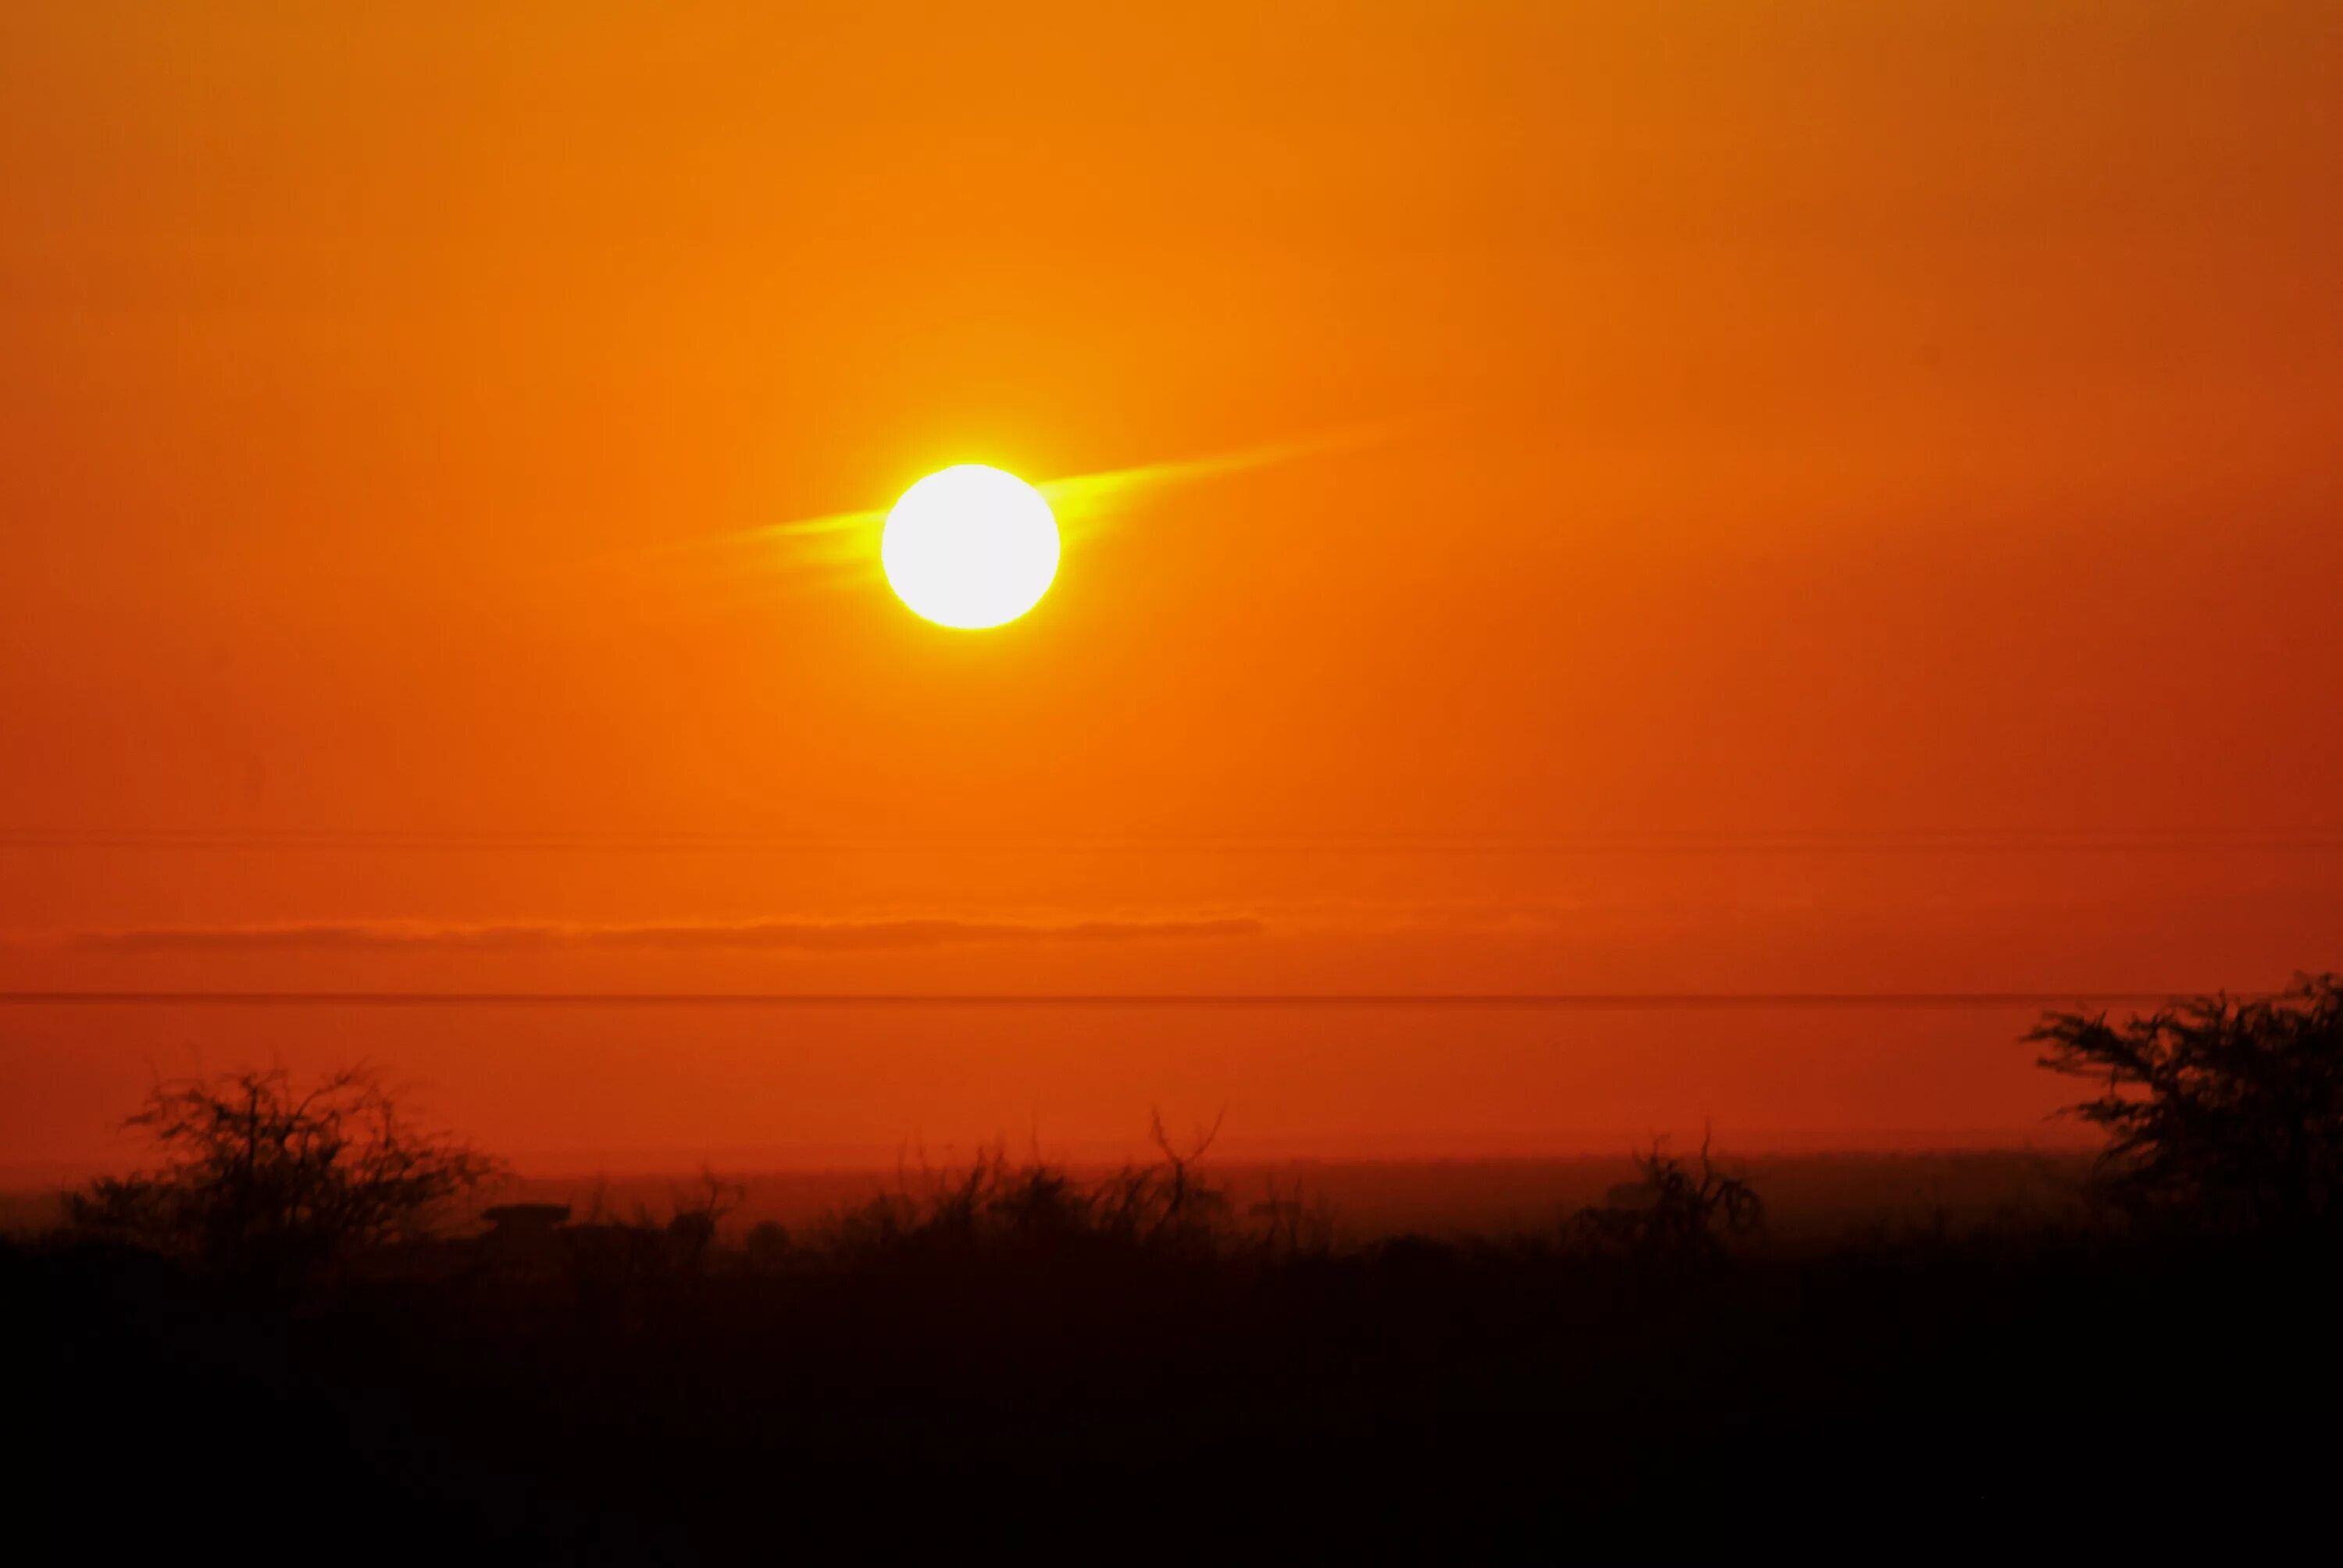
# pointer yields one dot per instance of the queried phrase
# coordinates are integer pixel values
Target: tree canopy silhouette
(259, 1178)
(2219, 1111)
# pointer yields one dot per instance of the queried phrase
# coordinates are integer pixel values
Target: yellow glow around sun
(970, 547)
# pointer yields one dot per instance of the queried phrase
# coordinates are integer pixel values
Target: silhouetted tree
(260, 1180)
(2217, 1111)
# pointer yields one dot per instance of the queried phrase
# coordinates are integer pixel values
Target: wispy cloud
(842, 545)
(758, 935)
(1086, 502)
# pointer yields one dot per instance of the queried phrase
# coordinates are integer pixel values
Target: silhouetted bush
(1672, 1215)
(259, 1180)
(1035, 1209)
(2218, 1112)
(1291, 1226)
(691, 1228)
(768, 1249)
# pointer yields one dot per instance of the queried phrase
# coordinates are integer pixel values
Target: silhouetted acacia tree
(2219, 1111)
(258, 1179)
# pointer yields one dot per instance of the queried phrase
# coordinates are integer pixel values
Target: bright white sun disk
(970, 547)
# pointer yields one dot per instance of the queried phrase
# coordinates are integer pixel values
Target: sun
(970, 547)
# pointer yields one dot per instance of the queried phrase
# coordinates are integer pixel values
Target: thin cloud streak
(1083, 503)
(1086, 502)
(755, 936)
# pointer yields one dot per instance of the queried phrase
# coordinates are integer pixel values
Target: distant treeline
(294, 1317)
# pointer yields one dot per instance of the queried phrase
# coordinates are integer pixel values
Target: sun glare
(970, 547)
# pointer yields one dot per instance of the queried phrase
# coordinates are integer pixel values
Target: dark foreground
(2016, 1387)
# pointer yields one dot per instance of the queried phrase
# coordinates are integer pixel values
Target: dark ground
(2017, 1388)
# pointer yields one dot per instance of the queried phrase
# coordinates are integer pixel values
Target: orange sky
(1852, 505)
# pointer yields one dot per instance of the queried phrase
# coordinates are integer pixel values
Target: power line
(1541, 1002)
(1685, 842)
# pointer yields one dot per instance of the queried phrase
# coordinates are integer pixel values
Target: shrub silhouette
(768, 1247)
(1294, 1226)
(1035, 1209)
(259, 1180)
(2219, 1111)
(1670, 1215)
(691, 1228)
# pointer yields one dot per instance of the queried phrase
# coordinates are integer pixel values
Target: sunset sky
(1717, 498)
